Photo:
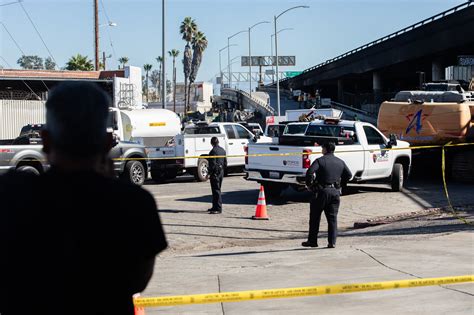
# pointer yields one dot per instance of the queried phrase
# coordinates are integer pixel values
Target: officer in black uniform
(216, 174)
(325, 178)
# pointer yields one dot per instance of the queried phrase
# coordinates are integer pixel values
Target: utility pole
(96, 31)
(163, 80)
(104, 59)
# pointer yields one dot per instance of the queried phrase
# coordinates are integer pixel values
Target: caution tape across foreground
(241, 296)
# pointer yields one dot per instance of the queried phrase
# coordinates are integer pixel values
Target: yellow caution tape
(290, 153)
(253, 295)
(445, 187)
(442, 147)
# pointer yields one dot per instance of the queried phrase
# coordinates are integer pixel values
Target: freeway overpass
(374, 72)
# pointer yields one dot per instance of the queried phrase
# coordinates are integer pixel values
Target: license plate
(274, 175)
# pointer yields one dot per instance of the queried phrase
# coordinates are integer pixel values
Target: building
(23, 93)
(200, 101)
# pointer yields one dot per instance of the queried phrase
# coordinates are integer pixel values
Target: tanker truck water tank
(151, 127)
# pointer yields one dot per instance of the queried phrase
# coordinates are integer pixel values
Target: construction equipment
(436, 115)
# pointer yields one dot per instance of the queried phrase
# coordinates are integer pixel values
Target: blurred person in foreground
(72, 240)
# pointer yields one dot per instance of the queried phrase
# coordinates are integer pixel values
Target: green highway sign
(291, 74)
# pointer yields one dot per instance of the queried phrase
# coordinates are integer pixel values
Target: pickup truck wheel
(397, 179)
(28, 169)
(134, 173)
(202, 170)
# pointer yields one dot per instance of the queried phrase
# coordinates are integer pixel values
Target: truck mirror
(392, 140)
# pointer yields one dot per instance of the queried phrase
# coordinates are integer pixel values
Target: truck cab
(183, 154)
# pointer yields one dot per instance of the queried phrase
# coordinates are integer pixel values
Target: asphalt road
(229, 252)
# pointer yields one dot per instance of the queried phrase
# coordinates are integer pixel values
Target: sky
(327, 29)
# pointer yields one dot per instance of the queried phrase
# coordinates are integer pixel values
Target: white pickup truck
(195, 141)
(361, 145)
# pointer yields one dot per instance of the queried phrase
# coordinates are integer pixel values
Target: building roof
(59, 74)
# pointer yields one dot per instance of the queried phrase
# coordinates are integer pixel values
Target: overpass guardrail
(390, 36)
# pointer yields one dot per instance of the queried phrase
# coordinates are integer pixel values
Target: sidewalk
(357, 259)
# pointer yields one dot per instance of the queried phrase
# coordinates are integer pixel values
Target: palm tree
(187, 29)
(159, 59)
(147, 67)
(123, 61)
(174, 53)
(79, 63)
(199, 45)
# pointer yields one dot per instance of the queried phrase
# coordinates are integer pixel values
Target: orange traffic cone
(261, 210)
(138, 310)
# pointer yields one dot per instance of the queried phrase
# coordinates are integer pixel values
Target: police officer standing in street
(216, 174)
(324, 178)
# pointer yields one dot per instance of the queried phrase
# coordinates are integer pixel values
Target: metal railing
(258, 101)
(390, 36)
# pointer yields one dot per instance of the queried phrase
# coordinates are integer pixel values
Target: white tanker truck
(150, 127)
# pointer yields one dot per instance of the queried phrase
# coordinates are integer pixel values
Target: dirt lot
(231, 252)
(183, 205)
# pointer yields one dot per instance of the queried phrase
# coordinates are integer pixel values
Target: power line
(8, 64)
(10, 3)
(108, 31)
(37, 31)
(105, 11)
(18, 46)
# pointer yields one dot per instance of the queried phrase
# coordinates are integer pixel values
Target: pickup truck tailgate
(278, 163)
(277, 158)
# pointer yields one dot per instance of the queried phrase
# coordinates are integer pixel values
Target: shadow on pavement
(256, 252)
(241, 197)
(234, 237)
(233, 228)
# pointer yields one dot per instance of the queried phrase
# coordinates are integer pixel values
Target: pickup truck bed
(364, 149)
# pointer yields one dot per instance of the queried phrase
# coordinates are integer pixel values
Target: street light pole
(220, 66)
(96, 33)
(163, 79)
(276, 50)
(228, 57)
(271, 49)
(250, 56)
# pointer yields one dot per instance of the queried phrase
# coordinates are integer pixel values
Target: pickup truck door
(379, 161)
(243, 138)
(232, 145)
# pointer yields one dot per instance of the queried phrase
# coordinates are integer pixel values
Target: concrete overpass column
(340, 91)
(377, 86)
(437, 70)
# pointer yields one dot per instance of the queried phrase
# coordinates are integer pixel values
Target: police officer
(324, 178)
(216, 174)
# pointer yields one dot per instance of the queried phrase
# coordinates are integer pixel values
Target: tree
(199, 45)
(187, 29)
(123, 61)
(147, 67)
(174, 53)
(30, 62)
(49, 64)
(159, 59)
(79, 63)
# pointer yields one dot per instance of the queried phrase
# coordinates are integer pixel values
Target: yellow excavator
(437, 114)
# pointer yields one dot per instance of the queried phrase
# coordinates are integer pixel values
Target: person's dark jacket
(328, 170)
(217, 165)
(75, 243)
